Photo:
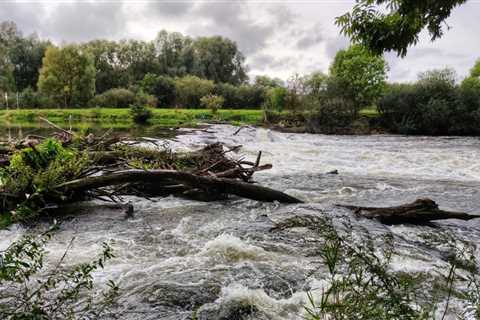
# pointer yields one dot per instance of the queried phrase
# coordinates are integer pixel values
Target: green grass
(164, 117)
(369, 112)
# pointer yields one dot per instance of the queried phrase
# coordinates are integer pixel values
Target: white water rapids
(179, 257)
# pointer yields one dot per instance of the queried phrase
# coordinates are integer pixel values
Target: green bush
(162, 87)
(212, 102)
(114, 98)
(190, 89)
(276, 99)
(140, 113)
(241, 97)
(434, 105)
(329, 115)
(31, 293)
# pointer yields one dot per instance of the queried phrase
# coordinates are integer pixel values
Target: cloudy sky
(279, 37)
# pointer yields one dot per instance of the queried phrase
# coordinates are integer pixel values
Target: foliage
(140, 113)
(241, 97)
(360, 75)
(162, 87)
(267, 82)
(34, 172)
(218, 59)
(434, 105)
(68, 76)
(361, 285)
(276, 99)
(212, 102)
(394, 25)
(190, 89)
(329, 115)
(113, 98)
(28, 292)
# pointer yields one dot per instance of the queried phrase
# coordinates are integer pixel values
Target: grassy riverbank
(163, 117)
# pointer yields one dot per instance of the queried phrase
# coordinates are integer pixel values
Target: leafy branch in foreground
(29, 292)
(361, 285)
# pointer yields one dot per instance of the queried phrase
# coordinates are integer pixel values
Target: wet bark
(163, 178)
(421, 211)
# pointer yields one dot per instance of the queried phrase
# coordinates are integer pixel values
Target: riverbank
(161, 117)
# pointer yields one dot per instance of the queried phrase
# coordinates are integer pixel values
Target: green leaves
(394, 25)
(29, 292)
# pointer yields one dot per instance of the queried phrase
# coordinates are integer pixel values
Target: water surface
(177, 257)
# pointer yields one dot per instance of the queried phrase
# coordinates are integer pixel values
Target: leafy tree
(315, 84)
(175, 54)
(358, 75)
(475, 71)
(394, 25)
(219, 59)
(162, 87)
(67, 75)
(276, 99)
(110, 71)
(267, 82)
(137, 58)
(212, 102)
(26, 55)
(190, 89)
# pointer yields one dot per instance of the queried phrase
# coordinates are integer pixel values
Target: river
(177, 256)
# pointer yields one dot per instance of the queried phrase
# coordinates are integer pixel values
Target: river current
(177, 258)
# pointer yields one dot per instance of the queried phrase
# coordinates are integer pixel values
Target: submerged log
(421, 211)
(211, 185)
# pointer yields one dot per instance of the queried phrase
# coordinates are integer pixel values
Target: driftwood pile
(118, 166)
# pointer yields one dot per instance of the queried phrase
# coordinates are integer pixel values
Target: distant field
(165, 117)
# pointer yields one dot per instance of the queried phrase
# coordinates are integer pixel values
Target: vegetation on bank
(164, 117)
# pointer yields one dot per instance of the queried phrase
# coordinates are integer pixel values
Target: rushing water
(177, 256)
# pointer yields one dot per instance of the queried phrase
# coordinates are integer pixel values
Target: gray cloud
(310, 37)
(168, 9)
(27, 16)
(333, 45)
(236, 21)
(83, 21)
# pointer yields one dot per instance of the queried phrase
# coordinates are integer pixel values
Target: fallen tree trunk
(421, 211)
(211, 185)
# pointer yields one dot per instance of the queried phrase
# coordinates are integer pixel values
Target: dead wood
(421, 211)
(169, 177)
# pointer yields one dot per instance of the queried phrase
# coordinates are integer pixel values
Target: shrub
(162, 87)
(329, 115)
(140, 113)
(190, 89)
(212, 102)
(114, 98)
(28, 292)
(276, 99)
(434, 105)
(241, 97)
(33, 100)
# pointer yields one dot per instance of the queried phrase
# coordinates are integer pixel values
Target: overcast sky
(278, 38)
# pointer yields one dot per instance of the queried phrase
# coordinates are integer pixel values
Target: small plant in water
(140, 114)
(361, 286)
(28, 292)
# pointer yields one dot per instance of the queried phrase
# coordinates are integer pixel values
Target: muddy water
(179, 257)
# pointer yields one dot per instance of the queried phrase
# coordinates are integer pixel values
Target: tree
(475, 71)
(358, 75)
(394, 25)
(67, 75)
(162, 87)
(175, 54)
(219, 59)
(26, 55)
(110, 71)
(267, 82)
(190, 89)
